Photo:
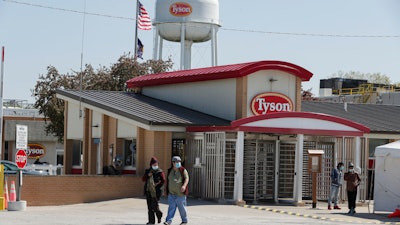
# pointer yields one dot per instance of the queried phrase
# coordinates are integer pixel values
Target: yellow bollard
(2, 200)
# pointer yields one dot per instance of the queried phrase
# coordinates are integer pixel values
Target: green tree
(111, 79)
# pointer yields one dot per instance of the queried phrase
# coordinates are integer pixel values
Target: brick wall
(73, 189)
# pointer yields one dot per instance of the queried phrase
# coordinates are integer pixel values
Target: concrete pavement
(133, 211)
(364, 213)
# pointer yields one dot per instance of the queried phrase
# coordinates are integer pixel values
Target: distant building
(358, 91)
(40, 145)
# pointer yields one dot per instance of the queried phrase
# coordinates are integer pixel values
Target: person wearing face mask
(336, 183)
(177, 190)
(353, 180)
(154, 179)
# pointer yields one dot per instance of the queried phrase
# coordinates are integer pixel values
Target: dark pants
(153, 209)
(351, 198)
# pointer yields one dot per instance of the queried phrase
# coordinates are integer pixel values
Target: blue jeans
(174, 202)
(334, 195)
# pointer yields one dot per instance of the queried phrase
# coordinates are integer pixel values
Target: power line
(222, 28)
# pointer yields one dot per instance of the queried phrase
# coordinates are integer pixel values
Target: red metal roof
(216, 73)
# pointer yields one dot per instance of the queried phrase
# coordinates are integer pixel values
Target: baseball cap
(176, 159)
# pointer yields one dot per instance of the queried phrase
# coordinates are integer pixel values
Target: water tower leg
(214, 59)
(160, 52)
(182, 46)
(188, 54)
(155, 43)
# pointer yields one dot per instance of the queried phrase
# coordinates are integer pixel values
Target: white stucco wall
(74, 124)
(97, 124)
(216, 97)
(259, 82)
(126, 130)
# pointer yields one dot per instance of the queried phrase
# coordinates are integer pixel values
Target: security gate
(287, 152)
(259, 170)
(211, 165)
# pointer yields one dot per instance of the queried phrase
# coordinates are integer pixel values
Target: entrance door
(259, 170)
(286, 167)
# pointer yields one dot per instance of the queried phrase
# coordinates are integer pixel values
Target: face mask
(177, 165)
(341, 168)
(351, 170)
(154, 167)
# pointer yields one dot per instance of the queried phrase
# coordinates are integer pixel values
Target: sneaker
(336, 207)
(166, 223)
(183, 223)
(329, 207)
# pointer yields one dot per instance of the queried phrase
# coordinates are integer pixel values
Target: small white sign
(21, 140)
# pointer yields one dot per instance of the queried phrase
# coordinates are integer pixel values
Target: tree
(376, 78)
(111, 79)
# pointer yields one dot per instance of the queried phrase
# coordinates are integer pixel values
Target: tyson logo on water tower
(180, 9)
(271, 102)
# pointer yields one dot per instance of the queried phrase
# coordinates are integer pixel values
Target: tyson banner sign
(180, 9)
(271, 102)
(35, 150)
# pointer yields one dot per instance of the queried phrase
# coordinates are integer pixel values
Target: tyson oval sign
(180, 9)
(271, 102)
(36, 150)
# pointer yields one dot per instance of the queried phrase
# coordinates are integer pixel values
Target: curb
(316, 217)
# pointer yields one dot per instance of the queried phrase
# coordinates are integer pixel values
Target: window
(178, 146)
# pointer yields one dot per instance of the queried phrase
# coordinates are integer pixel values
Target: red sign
(271, 102)
(21, 158)
(180, 9)
(36, 150)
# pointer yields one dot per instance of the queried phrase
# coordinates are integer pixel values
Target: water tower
(187, 22)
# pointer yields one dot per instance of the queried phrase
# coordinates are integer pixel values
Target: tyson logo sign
(180, 9)
(35, 150)
(271, 102)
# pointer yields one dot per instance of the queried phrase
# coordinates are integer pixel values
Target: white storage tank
(197, 15)
(187, 22)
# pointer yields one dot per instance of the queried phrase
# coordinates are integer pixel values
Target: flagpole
(136, 29)
(1, 102)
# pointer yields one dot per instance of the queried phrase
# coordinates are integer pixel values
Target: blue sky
(320, 37)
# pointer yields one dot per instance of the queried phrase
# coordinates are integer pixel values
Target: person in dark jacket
(154, 179)
(177, 190)
(336, 183)
(353, 180)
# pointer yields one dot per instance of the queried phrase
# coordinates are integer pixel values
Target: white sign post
(21, 144)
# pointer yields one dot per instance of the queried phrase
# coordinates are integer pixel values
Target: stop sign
(21, 158)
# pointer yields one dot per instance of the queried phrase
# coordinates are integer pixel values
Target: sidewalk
(364, 214)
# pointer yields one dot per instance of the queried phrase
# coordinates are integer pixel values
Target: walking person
(154, 179)
(177, 190)
(353, 180)
(336, 183)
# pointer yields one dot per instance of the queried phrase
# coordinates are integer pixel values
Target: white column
(357, 152)
(298, 179)
(276, 178)
(357, 160)
(239, 153)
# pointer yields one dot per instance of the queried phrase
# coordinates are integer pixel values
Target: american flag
(144, 22)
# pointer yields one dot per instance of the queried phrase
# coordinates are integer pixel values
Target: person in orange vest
(154, 179)
(177, 190)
